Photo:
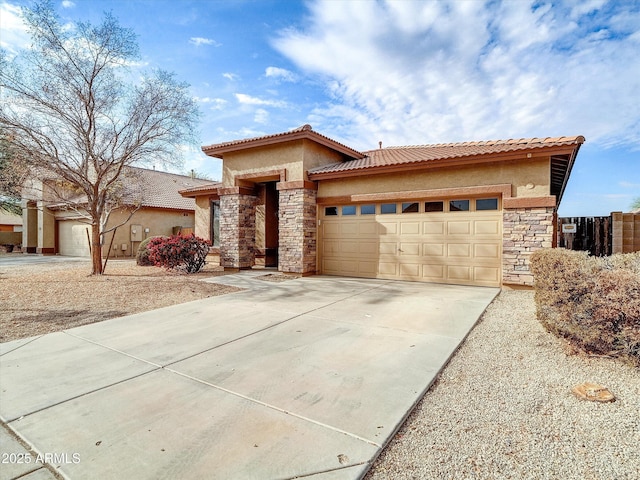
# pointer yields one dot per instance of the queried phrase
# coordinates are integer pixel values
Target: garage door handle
(400, 250)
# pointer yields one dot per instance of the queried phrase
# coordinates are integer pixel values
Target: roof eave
(219, 150)
(451, 161)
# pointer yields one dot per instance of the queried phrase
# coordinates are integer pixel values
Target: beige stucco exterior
(157, 221)
(293, 158)
(528, 178)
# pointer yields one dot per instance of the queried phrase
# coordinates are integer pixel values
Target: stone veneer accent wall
(237, 230)
(297, 231)
(524, 230)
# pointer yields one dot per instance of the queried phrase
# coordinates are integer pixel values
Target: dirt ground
(39, 299)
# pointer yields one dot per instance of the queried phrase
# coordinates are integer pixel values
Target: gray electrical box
(136, 233)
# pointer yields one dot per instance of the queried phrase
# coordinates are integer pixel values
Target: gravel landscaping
(503, 408)
(39, 299)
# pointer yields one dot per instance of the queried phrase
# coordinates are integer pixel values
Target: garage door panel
(409, 249)
(488, 275)
(410, 228)
(486, 227)
(433, 249)
(368, 248)
(486, 250)
(459, 250)
(459, 228)
(330, 247)
(388, 228)
(349, 247)
(459, 273)
(433, 228)
(388, 248)
(410, 270)
(445, 247)
(388, 268)
(367, 228)
(349, 229)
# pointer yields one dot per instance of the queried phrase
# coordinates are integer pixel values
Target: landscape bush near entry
(142, 256)
(177, 252)
(594, 302)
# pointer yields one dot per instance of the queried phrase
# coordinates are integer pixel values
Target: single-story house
(461, 213)
(51, 227)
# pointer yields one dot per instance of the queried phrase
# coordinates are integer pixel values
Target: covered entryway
(457, 241)
(74, 238)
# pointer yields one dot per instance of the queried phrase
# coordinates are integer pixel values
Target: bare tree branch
(72, 117)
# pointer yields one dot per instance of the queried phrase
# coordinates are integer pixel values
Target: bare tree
(12, 177)
(73, 116)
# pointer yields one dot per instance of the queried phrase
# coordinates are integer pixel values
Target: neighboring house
(462, 213)
(10, 228)
(51, 227)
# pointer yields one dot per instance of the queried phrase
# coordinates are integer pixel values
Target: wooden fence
(592, 234)
(600, 236)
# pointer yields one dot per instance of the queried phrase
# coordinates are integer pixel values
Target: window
(459, 205)
(487, 204)
(434, 206)
(367, 210)
(411, 207)
(214, 228)
(388, 208)
(330, 211)
(349, 210)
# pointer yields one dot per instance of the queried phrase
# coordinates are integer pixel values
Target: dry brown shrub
(592, 302)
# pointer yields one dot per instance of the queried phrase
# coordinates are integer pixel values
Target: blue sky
(402, 72)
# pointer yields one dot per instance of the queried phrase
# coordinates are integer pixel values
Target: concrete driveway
(19, 259)
(305, 378)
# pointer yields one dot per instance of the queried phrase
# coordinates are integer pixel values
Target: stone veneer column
(237, 228)
(297, 229)
(524, 230)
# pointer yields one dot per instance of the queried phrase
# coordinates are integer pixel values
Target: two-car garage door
(456, 241)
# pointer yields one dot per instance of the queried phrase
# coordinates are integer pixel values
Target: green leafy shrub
(177, 252)
(593, 302)
(142, 256)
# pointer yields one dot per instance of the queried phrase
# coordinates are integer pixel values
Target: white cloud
(280, 74)
(214, 103)
(261, 116)
(14, 32)
(249, 100)
(422, 72)
(199, 41)
(67, 4)
(230, 76)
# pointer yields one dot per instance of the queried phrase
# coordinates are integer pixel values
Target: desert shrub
(142, 256)
(593, 302)
(177, 252)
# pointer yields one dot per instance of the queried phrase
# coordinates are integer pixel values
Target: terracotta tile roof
(420, 154)
(162, 189)
(219, 149)
(210, 187)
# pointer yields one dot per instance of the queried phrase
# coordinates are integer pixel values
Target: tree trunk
(96, 250)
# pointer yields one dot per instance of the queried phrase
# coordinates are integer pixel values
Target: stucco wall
(528, 178)
(296, 157)
(202, 217)
(288, 155)
(158, 221)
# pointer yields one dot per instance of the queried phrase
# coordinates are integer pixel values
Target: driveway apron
(308, 378)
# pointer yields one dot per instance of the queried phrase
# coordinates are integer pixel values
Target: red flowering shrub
(177, 252)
